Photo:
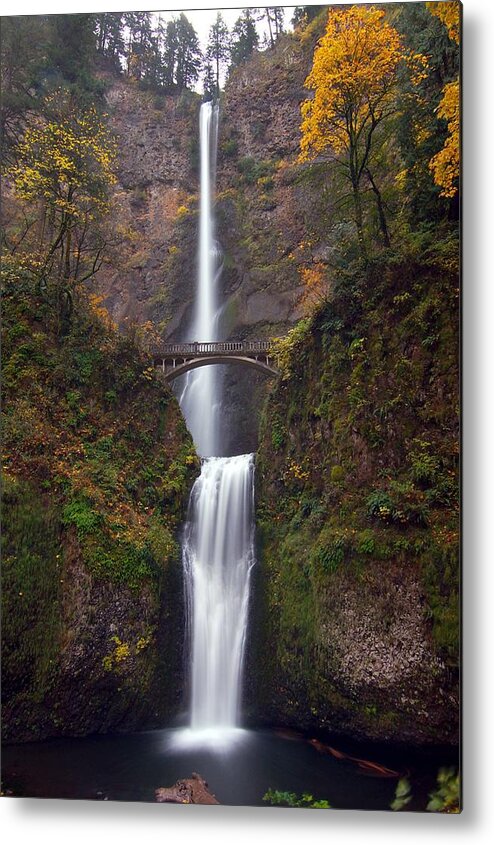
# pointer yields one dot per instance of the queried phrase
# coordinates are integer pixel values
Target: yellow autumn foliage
(445, 165)
(67, 163)
(449, 14)
(353, 78)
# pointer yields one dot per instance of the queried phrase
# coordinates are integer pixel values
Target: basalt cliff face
(260, 211)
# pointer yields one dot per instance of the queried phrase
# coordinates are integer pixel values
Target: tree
(139, 45)
(274, 16)
(63, 172)
(23, 47)
(419, 131)
(109, 36)
(189, 56)
(303, 15)
(445, 165)
(218, 49)
(210, 90)
(449, 14)
(354, 78)
(170, 53)
(71, 48)
(244, 38)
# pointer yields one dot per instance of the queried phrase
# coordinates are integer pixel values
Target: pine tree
(244, 38)
(170, 54)
(139, 45)
(218, 49)
(189, 55)
(209, 82)
(109, 36)
(274, 16)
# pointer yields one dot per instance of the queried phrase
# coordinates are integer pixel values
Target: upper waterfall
(200, 399)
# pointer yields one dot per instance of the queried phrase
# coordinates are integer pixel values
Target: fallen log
(366, 765)
(192, 790)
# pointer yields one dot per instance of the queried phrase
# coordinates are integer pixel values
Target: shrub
(229, 147)
(81, 514)
(330, 554)
(252, 170)
(278, 435)
(289, 799)
(337, 474)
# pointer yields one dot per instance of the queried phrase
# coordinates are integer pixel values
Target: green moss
(32, 567)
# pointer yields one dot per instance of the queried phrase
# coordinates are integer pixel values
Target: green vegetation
(357, 489)
(97, 467)
(290, 799)
(444, 799)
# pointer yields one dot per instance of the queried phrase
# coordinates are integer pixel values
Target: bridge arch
(207, 360)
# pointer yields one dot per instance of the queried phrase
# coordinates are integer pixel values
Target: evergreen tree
(218, 49)
(170, 54)
(109, 36)
(189, 55)
(209, 82)
(274, 16)
(23, 47)
(71, 49)
(244, 37)
(139, 45)
(420, 134)
(303, 15)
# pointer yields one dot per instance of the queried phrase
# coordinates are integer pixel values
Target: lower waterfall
(218, 555)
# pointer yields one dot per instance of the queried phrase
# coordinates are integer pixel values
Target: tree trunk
(380, 209)
(357, 204)
(268, 14)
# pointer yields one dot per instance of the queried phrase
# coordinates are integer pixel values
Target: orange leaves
(315, 281)
(445, 165)
(449, 14)
(101, 312)
(353, 78)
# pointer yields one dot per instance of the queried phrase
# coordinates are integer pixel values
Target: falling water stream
(218, 547)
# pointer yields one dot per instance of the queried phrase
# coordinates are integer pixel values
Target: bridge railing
(213, 348)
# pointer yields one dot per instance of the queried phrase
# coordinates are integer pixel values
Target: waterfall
(218, 546)
(218, 556)
(200, 399)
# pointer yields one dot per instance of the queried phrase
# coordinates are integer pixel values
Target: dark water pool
(131, 767)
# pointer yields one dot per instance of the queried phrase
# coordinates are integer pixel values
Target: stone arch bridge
(175, 359)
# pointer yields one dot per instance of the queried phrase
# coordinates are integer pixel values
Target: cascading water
(218, 547)
(218, 556)
(200, 398)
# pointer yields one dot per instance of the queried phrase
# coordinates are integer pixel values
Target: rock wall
(260, 213)
(157, 181)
